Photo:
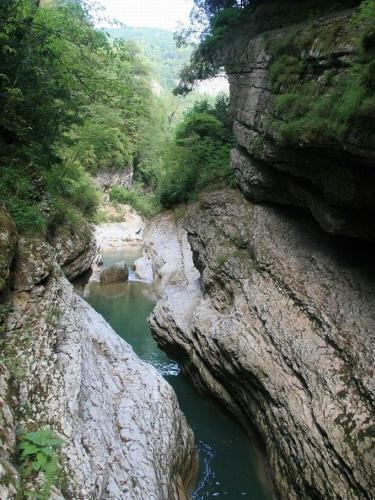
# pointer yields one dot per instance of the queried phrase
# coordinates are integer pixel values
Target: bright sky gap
(165, 14)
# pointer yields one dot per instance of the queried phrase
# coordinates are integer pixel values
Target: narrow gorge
(280, 327)
(187, 284)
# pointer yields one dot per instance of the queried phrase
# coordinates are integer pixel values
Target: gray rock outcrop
(74, 251)
(334, 180)
(281, 330)
(65, 368)
(107, 178)
(116, 272)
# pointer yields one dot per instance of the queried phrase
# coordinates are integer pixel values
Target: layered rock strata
(333, 180)
(65, 368)
(281, 330)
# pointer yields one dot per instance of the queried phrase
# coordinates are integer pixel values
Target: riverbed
(229, 463)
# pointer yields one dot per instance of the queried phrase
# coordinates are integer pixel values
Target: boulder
(115, 273)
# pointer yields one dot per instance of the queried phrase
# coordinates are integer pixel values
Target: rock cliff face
(106, 179)
(65, 368)
(333, 179)
(280, 329)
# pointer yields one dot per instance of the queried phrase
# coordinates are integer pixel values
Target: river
(229, 463)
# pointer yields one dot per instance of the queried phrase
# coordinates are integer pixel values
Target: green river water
(229, 467)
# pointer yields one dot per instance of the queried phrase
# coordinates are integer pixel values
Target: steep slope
(65, 368)
(302, 95)
(280, 330)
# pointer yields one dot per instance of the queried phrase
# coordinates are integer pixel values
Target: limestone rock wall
(281, 331)
(333, 180)
(64, 367)
(108, 178)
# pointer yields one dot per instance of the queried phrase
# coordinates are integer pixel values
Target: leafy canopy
(70, 102)
(199, 153)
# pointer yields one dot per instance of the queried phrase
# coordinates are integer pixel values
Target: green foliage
(144, 203)
(108, 133)
(71, 102)
(342, 106)
(38, 454)
(28, 218)
(223, 21)
(199, 154)
(164, 58)
(202, 125)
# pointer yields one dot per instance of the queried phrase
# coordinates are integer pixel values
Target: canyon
(65, 368)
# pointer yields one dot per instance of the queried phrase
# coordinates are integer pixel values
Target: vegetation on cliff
(70, 103)
(342, 107)
(217, 23)
(319, 95)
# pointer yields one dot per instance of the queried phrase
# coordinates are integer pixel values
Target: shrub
(144, 203)
(28, 218)
(199, 154)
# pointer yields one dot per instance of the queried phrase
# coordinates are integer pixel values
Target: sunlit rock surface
(116, 234)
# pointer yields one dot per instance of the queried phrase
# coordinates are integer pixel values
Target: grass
(332, 101)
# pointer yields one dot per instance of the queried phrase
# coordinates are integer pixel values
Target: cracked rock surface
(124, 434)
(332, 180)
(281, 330)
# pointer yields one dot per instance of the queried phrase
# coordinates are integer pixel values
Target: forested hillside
(70, 104)
(159, 46)
(74, 102)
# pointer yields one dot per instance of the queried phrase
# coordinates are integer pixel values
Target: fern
(38, 455)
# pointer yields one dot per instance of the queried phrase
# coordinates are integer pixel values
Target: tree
(69, 100)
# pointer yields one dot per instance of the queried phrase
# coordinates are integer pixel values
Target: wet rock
(143, 269)
(281, 330)
(115, 273)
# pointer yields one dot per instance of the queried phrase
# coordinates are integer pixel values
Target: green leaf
(40, 461)
(51, 466)
(48, 451)
(29, 449)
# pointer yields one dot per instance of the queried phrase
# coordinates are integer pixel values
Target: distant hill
(160, 50)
